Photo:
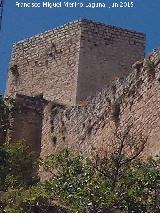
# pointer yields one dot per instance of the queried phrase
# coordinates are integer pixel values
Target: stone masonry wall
(74, 61)
(47, 64)
(62, 82)
(107, 52)
(26, 120)
(135, 100)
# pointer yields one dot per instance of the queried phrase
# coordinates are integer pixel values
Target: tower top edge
(81, 22)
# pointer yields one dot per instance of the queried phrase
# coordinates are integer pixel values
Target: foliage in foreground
(18, 164)
(84, 188)
(118, 182)
(80, 187)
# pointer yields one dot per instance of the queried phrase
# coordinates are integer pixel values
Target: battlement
(74, 61)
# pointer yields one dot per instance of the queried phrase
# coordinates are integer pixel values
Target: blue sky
(20, 23)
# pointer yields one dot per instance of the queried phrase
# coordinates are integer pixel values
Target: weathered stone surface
(74, 61)
(81, 105)
(134, 101)
(26, 120)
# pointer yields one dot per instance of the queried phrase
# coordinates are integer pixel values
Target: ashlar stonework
(76, 83)
(74, 61)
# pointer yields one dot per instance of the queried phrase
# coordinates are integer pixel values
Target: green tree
(4, 120)
(18, 164)
(82, 188)
(115, 181)
(78, 185)
(120, 181)
(4, 125)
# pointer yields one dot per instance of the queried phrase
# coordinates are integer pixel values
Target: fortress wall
(48, 64)
(63, 127)
(80, 57)
(26, 121)
(92, 125)
(74, 67)
(143, 107)
(107, 52)
(139, 102)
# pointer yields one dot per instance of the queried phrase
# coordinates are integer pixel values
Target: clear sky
(21, 23)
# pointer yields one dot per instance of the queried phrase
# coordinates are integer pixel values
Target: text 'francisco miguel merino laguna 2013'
(74, 4)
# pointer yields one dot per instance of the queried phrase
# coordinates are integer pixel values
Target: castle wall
(26, 121)
(47, 64)
(107, 52)
(68, 65)
(80, 57)
(135, 101)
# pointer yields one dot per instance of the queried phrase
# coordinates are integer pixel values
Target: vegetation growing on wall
(150, 69)
(118, 180)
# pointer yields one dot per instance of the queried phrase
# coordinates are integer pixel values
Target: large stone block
(72, 62)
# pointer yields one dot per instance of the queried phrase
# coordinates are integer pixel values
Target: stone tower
(72, 62)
